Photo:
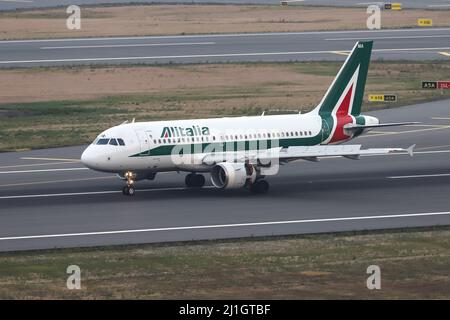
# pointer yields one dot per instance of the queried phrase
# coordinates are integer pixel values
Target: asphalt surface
(46, 202)
(34, 4)
(412, 44)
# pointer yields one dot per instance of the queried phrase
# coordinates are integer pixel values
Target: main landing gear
(194, 180)
(129, 190)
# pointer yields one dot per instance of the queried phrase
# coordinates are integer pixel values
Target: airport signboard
(425, 22)
(382, 97)
(443, 84)
(429, 84)
(435, 84)
(393, 6)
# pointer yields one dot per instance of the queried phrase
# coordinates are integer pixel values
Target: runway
(33, 4)
(49, 200)
(409, 44)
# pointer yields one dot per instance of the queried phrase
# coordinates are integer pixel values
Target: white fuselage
(148, 146)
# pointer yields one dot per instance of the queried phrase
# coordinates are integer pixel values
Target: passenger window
(121, 142)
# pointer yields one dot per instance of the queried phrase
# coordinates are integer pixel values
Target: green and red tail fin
(345, 95)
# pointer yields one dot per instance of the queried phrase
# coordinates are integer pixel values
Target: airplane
(239, 152)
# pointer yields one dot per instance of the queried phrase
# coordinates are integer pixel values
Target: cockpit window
(121, 142)
(103, 141)
(113, 142)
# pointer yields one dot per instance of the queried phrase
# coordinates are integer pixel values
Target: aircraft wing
(312, 153)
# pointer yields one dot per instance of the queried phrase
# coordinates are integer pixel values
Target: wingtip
(410, 150)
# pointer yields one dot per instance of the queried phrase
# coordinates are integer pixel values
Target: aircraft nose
(88, 158)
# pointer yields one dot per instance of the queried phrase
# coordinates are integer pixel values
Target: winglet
(410, 150)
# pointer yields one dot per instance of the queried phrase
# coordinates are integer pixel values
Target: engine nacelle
(230, 175)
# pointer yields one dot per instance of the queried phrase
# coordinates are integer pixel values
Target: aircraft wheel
(128, 190)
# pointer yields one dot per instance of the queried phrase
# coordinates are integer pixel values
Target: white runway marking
(218, 55)
(68, 194)
(435, 127)
(42, 170)
(38, 164)
(438, 5)
(421, 176)
(131, 45)
(50, 159)
(24, 1)
(225, 35)
(440, 118)
(55, 181)
(387, 38)
(221, 226)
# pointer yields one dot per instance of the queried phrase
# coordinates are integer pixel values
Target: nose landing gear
(129, 190)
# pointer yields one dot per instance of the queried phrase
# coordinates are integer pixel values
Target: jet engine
(230, 175)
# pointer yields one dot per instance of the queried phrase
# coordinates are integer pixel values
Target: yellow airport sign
(382, 97)
(393, 6)
(424, 22)
(396, 6)
(376, 97)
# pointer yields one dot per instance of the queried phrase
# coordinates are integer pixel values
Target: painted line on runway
(55, 181)
(37, 164)
(342, 53)
(24, 1)
(387, 38)
(440, 118)
(367, 3)
(380, 132)
(42, 170)
(424, 125)
(222, 226)
(433, 147)
(438, 5)
(218, 55)
(408, 131)
(50, 159)
(131, 45)
(87, 193)
(421, 176)
(225, 35)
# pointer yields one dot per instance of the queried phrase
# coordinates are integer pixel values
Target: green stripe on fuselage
(166, 150)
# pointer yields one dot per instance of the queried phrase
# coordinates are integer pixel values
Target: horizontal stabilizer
(352, 126)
